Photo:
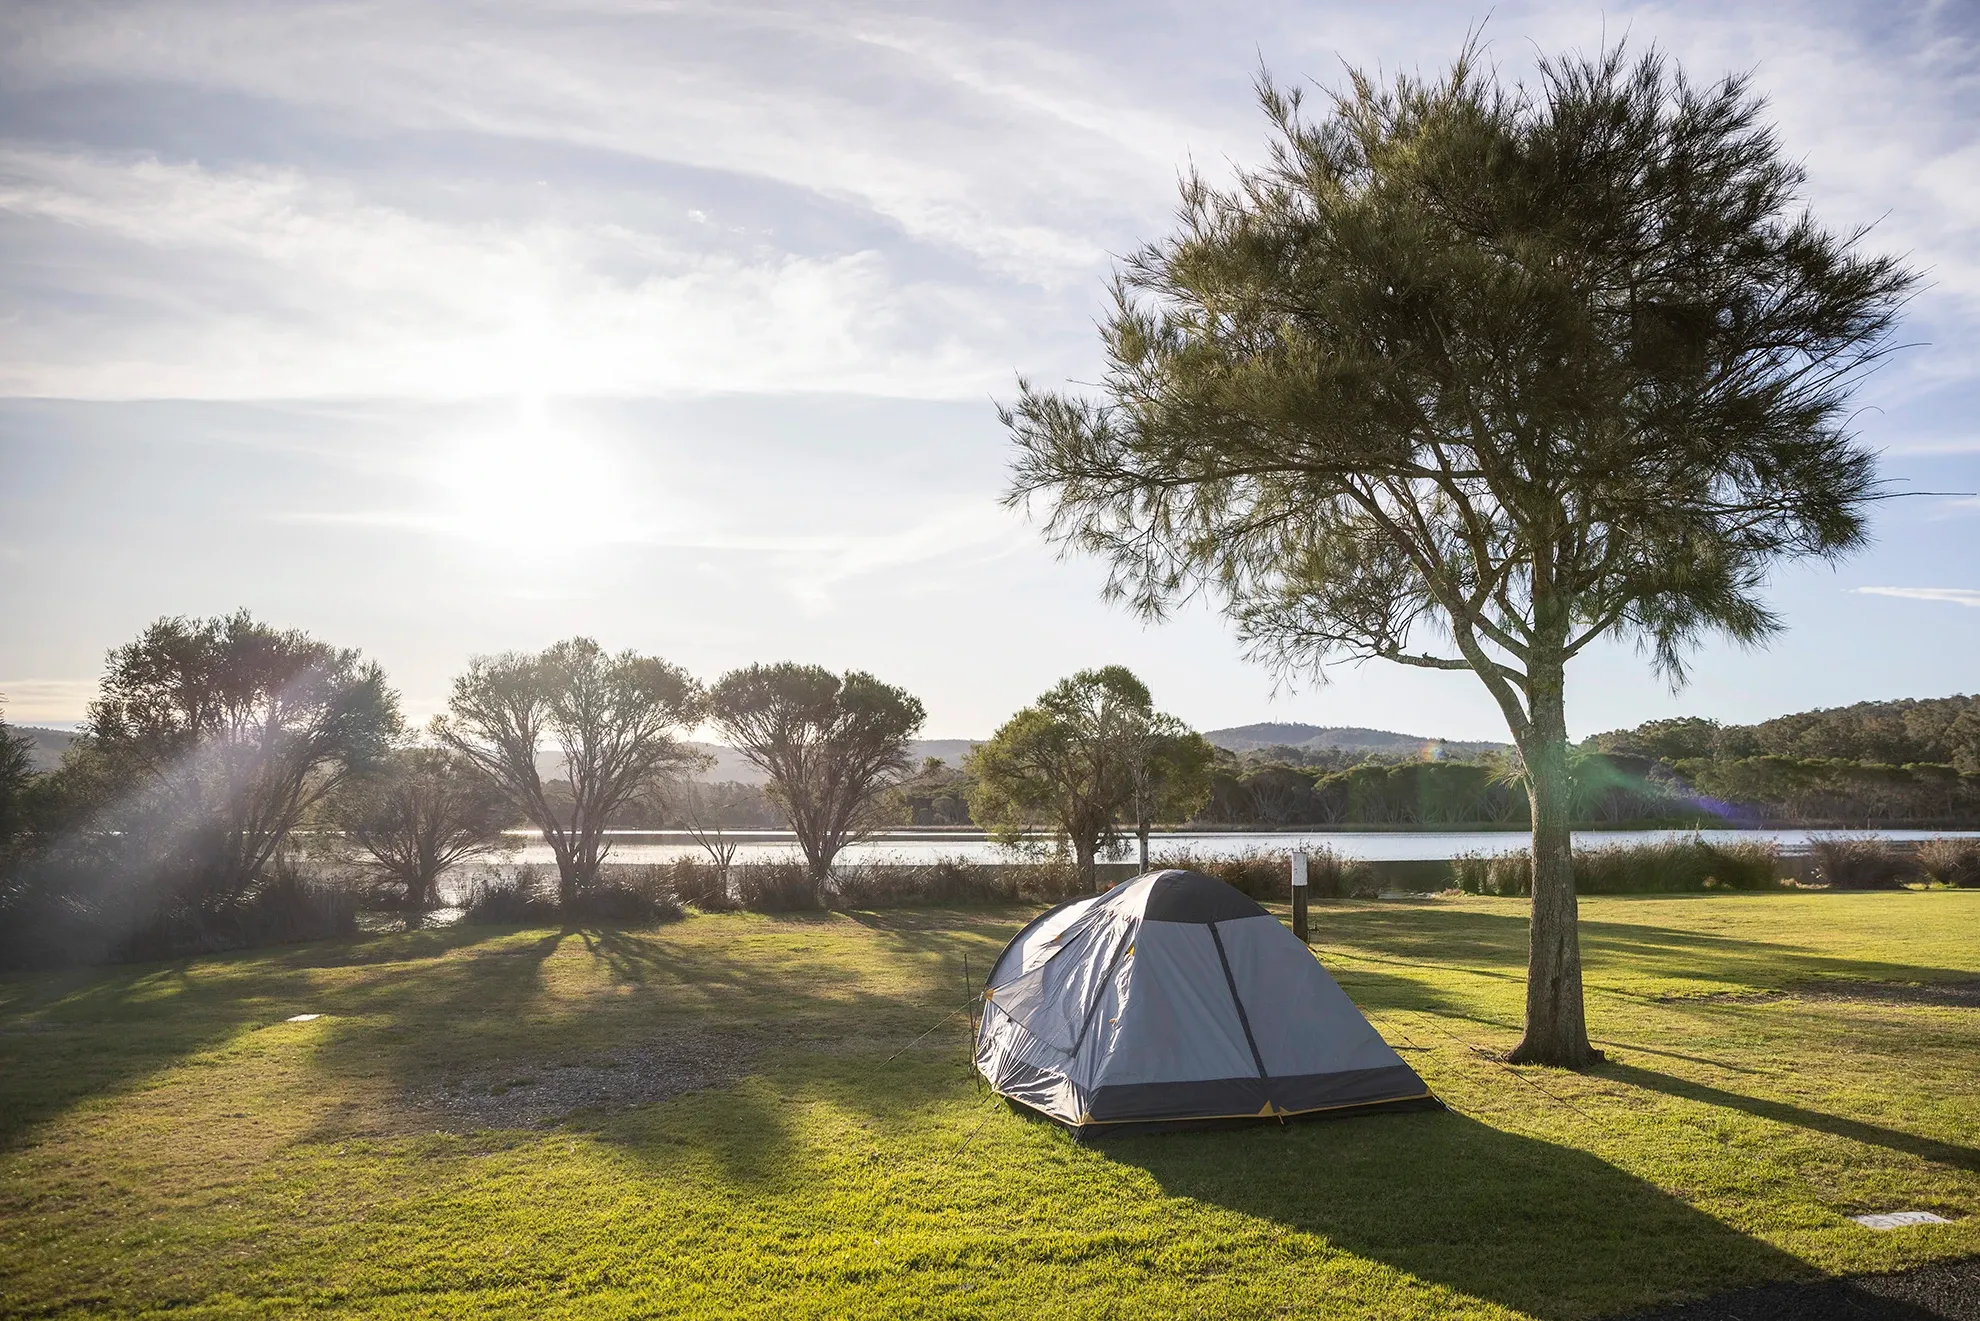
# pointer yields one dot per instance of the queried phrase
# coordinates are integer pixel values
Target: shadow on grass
(1545, 1229)
(810, 1014)
(1493, 945)
(1781, 1112)
(71, 1035)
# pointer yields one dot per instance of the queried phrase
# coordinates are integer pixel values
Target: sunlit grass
(171, 1143)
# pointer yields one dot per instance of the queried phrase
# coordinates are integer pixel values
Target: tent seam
(1237, 1002)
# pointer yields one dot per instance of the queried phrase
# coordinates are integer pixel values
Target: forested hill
(1343, 738)
(1942, 731)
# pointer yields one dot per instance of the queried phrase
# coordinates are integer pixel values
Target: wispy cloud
(1954, 595)
(234, 284)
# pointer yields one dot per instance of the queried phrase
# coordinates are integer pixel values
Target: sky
(446, 329)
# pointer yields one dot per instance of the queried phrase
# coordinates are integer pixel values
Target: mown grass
(168, 1142)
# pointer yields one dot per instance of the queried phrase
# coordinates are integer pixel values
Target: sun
(537, 485)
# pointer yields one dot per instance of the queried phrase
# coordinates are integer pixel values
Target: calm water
(1395, 846)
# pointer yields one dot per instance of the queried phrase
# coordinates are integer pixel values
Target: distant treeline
(1875, 763)
(1915, 761)
(1938, 731)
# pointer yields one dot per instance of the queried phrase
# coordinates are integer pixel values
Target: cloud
(45, 701)
(1954, 595)
(269, 284)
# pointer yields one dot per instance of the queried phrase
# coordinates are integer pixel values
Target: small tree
(1509, 371)
(833, 746)
(616, 721)
(1168, 766)
(422, 812)
(703, 810)
(1066, 759)
(211, 739)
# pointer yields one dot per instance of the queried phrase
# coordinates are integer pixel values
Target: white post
(1299, 895)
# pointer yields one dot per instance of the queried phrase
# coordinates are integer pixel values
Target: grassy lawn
(169, 1142)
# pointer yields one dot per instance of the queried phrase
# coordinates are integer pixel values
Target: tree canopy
(617, 723)
(832, 745)
(210, 739)
(423, 811)
(1089, 752)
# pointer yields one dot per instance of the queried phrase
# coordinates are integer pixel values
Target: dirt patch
(1965, 994)
(537, 1093)
(1962, 994)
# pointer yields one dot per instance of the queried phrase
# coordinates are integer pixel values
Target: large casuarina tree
(1471, 377)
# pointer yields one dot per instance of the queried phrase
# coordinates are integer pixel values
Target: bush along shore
(634, 894)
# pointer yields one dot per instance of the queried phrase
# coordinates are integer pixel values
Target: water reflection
(912, 846)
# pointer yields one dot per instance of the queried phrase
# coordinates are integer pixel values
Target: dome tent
(1173, 999)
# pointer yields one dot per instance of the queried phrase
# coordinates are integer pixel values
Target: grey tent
(1174, 999)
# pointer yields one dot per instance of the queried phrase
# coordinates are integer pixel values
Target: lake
(910, 846)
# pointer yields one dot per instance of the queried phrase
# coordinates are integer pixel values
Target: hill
(1343, 738)
(49, 745)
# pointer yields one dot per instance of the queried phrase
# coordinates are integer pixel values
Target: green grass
(167, 1142)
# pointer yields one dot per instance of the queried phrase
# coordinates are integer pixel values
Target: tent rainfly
(1170, 1000)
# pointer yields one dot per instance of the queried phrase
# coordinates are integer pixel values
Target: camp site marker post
(1299, 894)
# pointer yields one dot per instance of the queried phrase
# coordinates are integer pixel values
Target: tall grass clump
(1258, 874)
(523, 895)
(778, 886)
(944, 881)
(700, 882)
(1671, 866)
(1859, 862)
(1951, 862)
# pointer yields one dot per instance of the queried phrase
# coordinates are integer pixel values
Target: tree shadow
(1547, 1230)
(1781, 1112)
(1493, 946)
(809, 1021)
(71, 1035)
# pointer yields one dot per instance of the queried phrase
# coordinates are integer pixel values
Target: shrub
(944, 881)
(1859, 862)
(1263, 876)
(700, 882)
(1494, 873)
(630, 894)
(1951, 861)
(69, 908)
(522, 896)
(777, 887)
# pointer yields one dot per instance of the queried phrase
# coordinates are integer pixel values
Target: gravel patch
(1943, 1291)
(538, 1093)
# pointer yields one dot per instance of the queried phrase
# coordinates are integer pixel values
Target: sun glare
(536, 486)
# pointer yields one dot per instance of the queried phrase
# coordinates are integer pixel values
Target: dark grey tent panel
(1173, 998)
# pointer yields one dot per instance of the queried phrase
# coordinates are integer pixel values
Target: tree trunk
(1084, 850)
(1141, 833)
(569, 868)
(1556, 1024)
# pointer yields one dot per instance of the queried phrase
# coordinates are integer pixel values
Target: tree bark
(1084, 850)
(1556, 1025)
